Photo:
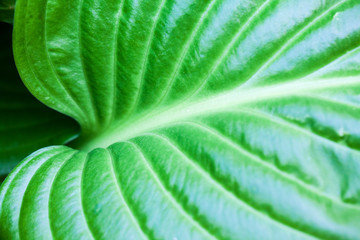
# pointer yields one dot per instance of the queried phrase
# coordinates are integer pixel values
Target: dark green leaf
(25, 124)
(7, 11)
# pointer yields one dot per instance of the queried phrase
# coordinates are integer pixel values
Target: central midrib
(215, 103)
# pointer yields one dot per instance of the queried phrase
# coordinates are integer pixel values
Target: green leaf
(234, 119)
(25, 124)
(7, 11)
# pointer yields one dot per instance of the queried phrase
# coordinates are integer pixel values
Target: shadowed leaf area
(25, 124)
(7, 11)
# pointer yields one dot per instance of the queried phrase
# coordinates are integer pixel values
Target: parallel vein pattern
(233, 119)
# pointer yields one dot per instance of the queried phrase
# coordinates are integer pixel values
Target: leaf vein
(93, 109)
(115, 60)
(229, 47)
(335, 61)
(168, 194)
(299, 33)
(66, 89)
(185, 50)
(222, 187)
(257, 159)
(284, 122)
(146, 59)
(82, 198)
(127, 206)
(51, 189)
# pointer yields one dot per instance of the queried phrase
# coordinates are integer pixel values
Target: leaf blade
(227, 119)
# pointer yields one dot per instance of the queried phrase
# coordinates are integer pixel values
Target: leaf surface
(201, 120)
(25, 124)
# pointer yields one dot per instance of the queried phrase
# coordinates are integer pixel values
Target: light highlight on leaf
(200, 120)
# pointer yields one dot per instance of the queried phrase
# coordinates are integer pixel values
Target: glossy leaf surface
(25, 124)
(201, 120)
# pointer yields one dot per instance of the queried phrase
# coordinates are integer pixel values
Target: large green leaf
(25, 124)
(233, 119)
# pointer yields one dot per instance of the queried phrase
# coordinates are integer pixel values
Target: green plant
(234, 119)
(25, 124)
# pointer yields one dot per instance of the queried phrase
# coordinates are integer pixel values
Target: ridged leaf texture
(206, 119)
